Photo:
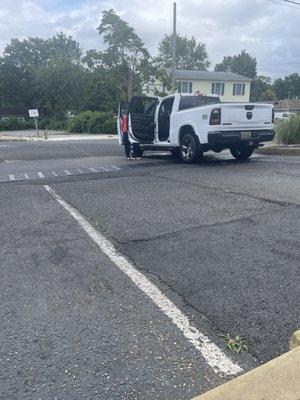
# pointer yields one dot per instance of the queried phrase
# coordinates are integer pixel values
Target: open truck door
(141, 118)
(123, 109)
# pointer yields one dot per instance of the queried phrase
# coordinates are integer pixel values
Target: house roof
(210, 76)
(288, 104)
(283, 105)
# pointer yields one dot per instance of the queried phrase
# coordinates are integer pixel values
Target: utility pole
(174, 48)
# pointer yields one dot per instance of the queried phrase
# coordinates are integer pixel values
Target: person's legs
(135, 150)
(126, 144)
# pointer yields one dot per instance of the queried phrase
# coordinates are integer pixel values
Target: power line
(283, 4)
(281, 64)
(293, 2)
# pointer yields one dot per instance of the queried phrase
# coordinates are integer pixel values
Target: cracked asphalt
(220, 239)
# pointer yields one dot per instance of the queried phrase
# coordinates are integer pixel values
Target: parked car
(189, 125)
(283, 115)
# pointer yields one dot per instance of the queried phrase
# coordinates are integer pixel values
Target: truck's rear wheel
(242, 153)
(189, 150)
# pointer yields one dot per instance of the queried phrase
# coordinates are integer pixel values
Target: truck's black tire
(242, 153)
(189, 149)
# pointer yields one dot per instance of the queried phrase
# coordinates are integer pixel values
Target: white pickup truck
(189, 125)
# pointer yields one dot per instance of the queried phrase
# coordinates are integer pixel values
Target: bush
(288, 130)
(12, 124)
(92, 122)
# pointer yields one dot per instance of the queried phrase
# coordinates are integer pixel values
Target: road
(113, 272)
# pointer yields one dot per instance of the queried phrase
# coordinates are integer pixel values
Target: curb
(59, 138)
(275, 150)
(278, 379)
(55, 138)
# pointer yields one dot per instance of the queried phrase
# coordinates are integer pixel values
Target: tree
(268, 95)
(24, 61)
(60, 87)
(103, 90)
(190, 54)
(259, 86)
(125, 52)
(287, 87)
(242, 64)
(32, 53)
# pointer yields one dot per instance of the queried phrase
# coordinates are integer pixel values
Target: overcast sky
(268, 31)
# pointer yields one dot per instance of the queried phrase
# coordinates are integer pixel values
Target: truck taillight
(273, 115)
(215, 116)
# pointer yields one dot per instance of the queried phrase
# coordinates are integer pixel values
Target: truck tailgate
(246, 116)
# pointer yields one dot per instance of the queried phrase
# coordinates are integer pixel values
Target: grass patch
(235, 343)
(288, 130)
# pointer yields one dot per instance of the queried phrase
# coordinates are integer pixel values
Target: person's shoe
(137, 158)
(128, 158)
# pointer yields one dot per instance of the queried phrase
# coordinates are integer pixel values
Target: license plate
(245, 135)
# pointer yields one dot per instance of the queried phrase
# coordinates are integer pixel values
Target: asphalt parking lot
(198, 251)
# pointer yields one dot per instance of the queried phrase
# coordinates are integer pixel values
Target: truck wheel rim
(187, 149)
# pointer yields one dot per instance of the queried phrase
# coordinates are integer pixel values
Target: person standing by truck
(125, 141)
(125, 138)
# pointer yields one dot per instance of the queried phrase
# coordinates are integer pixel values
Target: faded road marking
(41, 175)
(212, 354)
(12, 177)
(93, 169)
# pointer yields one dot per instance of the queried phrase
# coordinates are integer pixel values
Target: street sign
(33, 113)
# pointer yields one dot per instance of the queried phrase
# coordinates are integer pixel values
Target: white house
(229, 86)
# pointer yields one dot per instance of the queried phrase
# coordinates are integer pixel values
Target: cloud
(267, 31)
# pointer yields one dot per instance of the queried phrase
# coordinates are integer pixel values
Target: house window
(238, 89)
(185, 87)
(218, 88)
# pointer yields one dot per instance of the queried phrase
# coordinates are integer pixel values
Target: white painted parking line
(79, 170)
(41, 175)
(67, 172)
(54, 173)
(26, 176)
(212, 354)
(12, 177)
(93, 169)
(116, 168)
(105, 169)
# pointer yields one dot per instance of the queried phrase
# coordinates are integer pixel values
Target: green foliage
(125, 52)
(103, 90)
(287, 87)
(92, 122)
(242, 64)
(59, 87)
(258, 86)
(12, 124)
(236, 344)
(288, 130)
(268, 95)
(190, 54)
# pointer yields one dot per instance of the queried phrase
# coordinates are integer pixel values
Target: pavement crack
(194, 228)
(269, 201)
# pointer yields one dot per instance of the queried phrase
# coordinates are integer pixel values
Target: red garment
(124, 126)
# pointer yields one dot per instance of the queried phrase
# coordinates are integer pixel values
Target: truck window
(196, 101)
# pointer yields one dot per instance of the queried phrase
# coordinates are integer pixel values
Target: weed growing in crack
(236, 343)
